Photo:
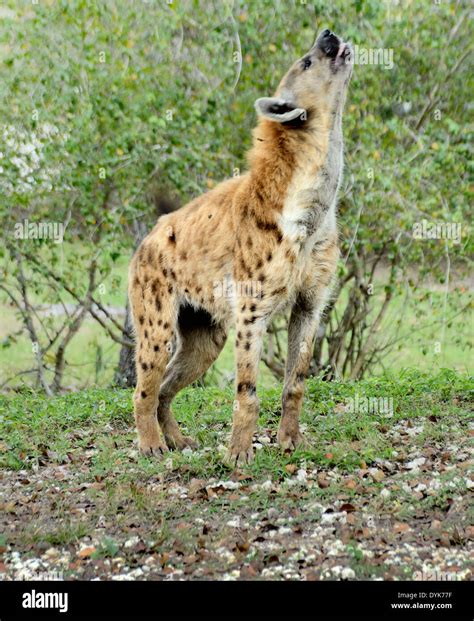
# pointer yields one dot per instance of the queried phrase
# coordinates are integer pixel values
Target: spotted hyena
(237, 255)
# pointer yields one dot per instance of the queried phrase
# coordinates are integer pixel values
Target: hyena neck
(309, 209)
(279, 153)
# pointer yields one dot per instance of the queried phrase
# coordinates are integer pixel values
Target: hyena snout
(328, 43)
(334, 48)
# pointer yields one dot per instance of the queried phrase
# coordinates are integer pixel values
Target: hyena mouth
(344, 55)
(334, 48)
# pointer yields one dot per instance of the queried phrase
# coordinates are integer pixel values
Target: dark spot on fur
(150, 322)
(158, 304)
(247, 387)
(165, 272)
(247, 345)
(183, 256)
(136, 282)
(143, 394)
(141, 319)
(144, 366)
(250, 320)
(259, 264)
(239, 334)
(156, 348)
(269, 256)
(249, 242)
(172, 238)
(269, 227)
(253, 308)
(170, 288)
(166, 325)
(279, 292)
(146, 334)
(160, 321)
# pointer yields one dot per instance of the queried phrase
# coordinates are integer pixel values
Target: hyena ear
(279, 110)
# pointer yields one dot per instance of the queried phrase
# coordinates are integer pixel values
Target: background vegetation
(108, 106)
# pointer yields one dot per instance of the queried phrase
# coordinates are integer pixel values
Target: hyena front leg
(248, 347)
(302, 328)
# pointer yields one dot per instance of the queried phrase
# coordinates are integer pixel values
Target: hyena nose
(328, 43)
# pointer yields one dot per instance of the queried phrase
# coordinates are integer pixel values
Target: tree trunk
(125, 374)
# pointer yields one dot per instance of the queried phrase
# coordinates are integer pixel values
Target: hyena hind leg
(154, 321)
(200, 343)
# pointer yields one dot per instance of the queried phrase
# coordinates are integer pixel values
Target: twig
(31, 328)
(72, 329)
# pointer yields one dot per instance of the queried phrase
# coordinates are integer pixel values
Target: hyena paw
(289, 441)
(238, 456)
(149, 449)
(180, 442)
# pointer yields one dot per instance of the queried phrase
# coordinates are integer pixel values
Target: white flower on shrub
(25, 152)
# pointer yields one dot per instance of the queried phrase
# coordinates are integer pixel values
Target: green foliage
(154, 92)
(106, 549)
(105, 104)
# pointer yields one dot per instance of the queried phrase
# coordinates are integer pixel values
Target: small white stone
(348, 574)
(131, 542)
(415, 463)
(301, 476)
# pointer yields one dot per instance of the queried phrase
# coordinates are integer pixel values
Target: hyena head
(315, 84)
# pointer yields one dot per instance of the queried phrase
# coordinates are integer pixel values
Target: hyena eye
(306, 63)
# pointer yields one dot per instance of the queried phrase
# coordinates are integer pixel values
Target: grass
(80, 451)
(70, 422)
